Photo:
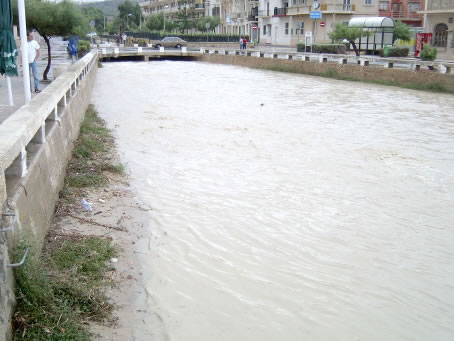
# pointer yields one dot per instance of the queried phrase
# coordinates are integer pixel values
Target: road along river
(287, 207)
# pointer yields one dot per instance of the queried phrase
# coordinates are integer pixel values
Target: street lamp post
(165, 7)
(127, 20)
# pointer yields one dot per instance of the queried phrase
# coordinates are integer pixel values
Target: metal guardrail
(22, 261)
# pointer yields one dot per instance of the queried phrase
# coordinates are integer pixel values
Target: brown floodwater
(286, 207)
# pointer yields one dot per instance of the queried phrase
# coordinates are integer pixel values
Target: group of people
(243, 43)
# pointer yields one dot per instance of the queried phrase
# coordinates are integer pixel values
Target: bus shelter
(381, 28)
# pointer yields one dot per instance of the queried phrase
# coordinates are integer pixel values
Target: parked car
(92, 35)
(170, 42)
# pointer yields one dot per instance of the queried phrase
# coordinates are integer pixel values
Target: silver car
(171, 42)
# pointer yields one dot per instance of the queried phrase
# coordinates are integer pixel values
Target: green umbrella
(8, 50)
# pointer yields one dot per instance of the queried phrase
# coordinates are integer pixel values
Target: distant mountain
(109, 7)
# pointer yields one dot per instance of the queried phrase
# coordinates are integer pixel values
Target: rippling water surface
(287, 207)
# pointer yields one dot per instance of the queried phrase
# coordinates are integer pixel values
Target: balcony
(402, 15)
(279, 12)
(264, 13)
(441, 5)
(337, 8)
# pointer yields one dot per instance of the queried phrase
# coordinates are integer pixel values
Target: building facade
(408, 11)
(439, 20)
(285, 22)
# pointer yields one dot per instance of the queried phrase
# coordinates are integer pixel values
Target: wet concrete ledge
(337, 70)
(37, 143)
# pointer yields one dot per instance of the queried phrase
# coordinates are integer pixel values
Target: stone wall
(39, 138)
(355, 72)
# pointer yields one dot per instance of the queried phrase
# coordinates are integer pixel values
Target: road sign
(315, 14)
(92, 23)
(254, 26)
(322, 24)
(207, 25)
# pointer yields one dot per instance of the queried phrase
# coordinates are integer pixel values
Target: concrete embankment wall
(36, 145)
(335, 70)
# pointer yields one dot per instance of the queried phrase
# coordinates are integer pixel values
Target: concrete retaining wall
(37, 142)
(357, 72)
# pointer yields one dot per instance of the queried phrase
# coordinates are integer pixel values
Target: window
(264, 30)
(383, 6)
(286, 29)
(293, 2)
(413, 7)
(368, 2)
(299, 28)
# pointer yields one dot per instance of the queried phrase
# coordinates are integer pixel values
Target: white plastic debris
(114, 260)
(86, 205)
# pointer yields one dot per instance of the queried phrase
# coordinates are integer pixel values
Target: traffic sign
(322, 24)
(92, 23)
(254, 26)
(315, 14)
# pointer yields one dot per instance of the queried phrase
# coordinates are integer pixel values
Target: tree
(130, 11)
(201, 23)
(402, 31)
(155, 22)
(51, 19)
(95, 14)
(342, 32)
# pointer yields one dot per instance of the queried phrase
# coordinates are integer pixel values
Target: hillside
(109, 8)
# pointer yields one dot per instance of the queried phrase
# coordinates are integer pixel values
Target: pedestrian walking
(34, 51)
(72, 48)
(123, 37)
(241, 43)
(244, 43)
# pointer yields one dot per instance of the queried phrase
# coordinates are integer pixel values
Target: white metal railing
(28, 124)
(440, 5)
(386, 62)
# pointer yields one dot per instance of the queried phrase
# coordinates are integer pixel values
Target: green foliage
(428, 52)
(155, 22)
(53, 19)
(329, 48)
(401, 31)
(300, 47)
(200, 24)
(395, 52)
(87, 167)
(342, 32)
(127, 8)
(83, 48)
(63, 289)
(95, 14)
(323, 48)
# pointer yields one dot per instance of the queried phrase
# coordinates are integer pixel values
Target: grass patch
(91, 157)
(63, 289)
(334, 74)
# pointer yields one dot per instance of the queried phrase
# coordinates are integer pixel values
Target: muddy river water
(286, 207)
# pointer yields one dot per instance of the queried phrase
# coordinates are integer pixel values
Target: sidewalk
(59, 57)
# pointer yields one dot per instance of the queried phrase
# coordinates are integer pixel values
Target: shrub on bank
(83, 48)
(428, 52)
(323, 48)
(395, 52)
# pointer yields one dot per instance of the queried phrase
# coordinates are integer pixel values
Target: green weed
(63, 289)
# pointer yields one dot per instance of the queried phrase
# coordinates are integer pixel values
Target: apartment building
(285, 22)
(406, 11)
(170, 8)
(275, 22)
(439, 20)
